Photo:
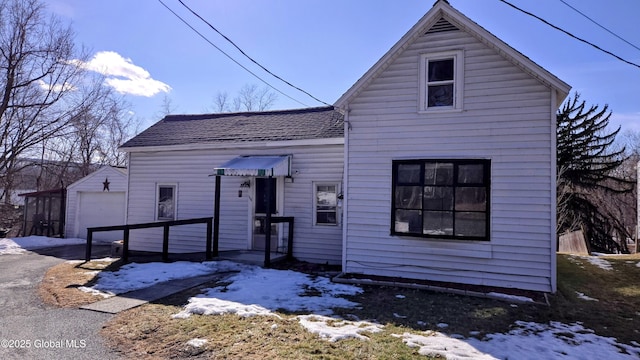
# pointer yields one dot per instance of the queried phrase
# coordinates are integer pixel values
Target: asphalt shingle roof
(282, 125)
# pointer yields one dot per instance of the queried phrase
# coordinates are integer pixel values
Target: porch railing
(209, 253)
(267, 240)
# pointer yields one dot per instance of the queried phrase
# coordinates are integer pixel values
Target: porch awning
(256, 165)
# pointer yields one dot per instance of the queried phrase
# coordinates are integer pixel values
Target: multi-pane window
(166, 206)
(441, 81)
(441, 198)
(326, 204)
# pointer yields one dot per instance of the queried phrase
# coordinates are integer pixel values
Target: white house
(97, 199)
(170, 168)
(450, 160)
(438, 165)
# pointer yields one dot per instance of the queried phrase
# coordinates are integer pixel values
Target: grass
(60, 283)
(149, 332)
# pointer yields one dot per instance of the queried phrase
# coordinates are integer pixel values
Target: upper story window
(441, 81)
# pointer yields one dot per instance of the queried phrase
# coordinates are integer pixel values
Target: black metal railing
(267, 240)
(209, 252)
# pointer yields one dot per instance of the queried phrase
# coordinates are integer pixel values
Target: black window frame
(485, 183)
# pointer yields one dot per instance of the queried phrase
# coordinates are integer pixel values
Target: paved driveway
(30, 329)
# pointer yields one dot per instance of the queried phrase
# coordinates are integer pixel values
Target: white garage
(98, 199)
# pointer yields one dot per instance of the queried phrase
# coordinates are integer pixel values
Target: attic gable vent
(441, 26)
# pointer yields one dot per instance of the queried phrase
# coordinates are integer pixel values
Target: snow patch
(336, 329)
(585, 297)
(19, 245)
(437, 344)
(104, 294)
(136, 276)
(197, 342)
(270, 290)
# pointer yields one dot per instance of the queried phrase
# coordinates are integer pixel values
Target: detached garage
(98, 199)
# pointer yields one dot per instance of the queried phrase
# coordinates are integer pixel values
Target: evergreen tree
(588, 174)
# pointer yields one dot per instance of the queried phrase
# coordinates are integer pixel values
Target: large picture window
(441, 81)
(447, 199)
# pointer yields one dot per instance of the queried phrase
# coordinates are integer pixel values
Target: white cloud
(123, 75)
(56, 87)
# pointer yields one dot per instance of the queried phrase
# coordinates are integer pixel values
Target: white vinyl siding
(506, 119)
(195, 198)
(78, 217)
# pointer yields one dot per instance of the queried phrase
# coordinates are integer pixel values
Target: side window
(441, 81)
(325, 204)
(166, 202)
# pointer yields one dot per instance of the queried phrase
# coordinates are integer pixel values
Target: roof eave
(235, 145)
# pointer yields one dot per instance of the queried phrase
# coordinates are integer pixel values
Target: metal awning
(256, 165)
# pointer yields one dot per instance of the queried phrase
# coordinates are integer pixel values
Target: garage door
(100, 209)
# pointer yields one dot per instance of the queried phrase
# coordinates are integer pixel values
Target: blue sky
(324, 46)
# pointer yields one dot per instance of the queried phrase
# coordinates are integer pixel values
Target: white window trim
(175, 200)
(458, 81)
(315, 203)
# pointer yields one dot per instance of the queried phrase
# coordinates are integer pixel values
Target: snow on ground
(136, 276)
(599, 262)
(333, 330)
(593, 260)
(255, 291)
(19, 245)
(585, 297)
(278, 289)
(197, 342)
(527, 341)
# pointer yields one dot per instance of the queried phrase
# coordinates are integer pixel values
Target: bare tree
(221, 102)
(38, 97)
(167, 107)
(249, 98)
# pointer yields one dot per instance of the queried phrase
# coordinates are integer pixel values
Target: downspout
(345, 189)
(554, 236)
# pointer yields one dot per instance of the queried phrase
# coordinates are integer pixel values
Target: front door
(260, 212)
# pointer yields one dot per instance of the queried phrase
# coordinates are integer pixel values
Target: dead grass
(59, 287)
(149, 332)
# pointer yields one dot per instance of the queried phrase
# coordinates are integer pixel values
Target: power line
(249, 57)
(229, 56)
(570, 34)
(595, 22)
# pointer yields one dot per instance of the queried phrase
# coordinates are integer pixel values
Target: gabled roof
(245, 127)
(432, 21)
(103, 171)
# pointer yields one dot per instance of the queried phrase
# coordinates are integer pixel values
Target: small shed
(98, 199)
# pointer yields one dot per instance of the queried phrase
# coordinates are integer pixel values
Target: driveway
(30, 329)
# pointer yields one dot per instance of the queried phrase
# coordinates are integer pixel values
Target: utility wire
(570, 34)
(602, 27)
(249, 57)
(229, 56)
